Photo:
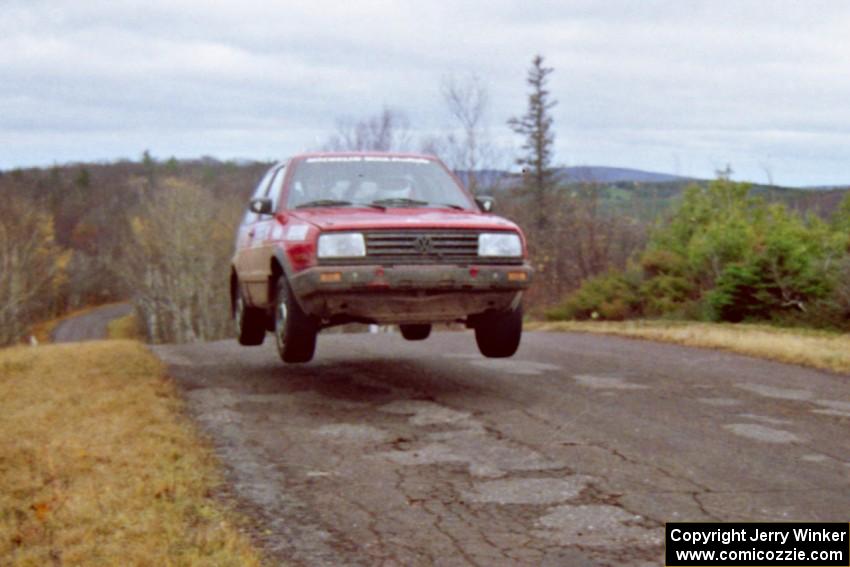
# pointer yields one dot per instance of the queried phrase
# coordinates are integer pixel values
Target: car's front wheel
(248, 321)
(498, 333)
(295, 331)
(415, 332)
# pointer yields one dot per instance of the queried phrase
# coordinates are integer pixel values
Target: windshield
(374, 180)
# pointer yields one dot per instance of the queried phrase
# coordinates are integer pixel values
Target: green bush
(740, 257)
(665, 294)
(658, 261)
(726, 255)
(613, 296)
(739, 295)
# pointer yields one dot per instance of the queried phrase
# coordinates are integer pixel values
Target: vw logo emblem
(423, 244)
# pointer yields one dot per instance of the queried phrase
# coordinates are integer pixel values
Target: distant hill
(646, 194)
(618, 175)
(604, 174)
(585, 174)
(825, 187)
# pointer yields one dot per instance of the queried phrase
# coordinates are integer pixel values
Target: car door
(244, 260)
(259, 250)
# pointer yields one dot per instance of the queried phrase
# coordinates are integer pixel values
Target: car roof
(364, 154)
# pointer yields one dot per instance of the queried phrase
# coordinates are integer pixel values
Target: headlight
(342, 245)
(501, 244)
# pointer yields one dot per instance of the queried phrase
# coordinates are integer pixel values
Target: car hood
(392, 218)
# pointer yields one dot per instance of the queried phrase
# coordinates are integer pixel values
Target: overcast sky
(676, 86)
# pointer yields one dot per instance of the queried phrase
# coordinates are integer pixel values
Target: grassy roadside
(98, 465)
(817, 349)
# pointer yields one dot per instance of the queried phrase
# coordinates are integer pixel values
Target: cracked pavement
(574, 452)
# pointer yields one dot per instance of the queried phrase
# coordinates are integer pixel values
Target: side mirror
(261, 206)
(485, 203)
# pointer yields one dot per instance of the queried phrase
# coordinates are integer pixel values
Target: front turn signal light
(330, 277)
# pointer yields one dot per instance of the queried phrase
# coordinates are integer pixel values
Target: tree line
(158, 233)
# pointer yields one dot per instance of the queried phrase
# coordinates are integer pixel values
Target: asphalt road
(574, 452)
(89, 326)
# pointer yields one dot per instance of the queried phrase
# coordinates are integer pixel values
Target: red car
(382, 238)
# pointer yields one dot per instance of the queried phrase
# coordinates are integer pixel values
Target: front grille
(389, 247)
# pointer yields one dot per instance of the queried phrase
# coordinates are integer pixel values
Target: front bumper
(409, 294)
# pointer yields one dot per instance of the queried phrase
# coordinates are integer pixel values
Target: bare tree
(385, 131)
(466, 100)
(601, 239)
(31, 267)
(768, 172)
(584, 237)
(178, 250)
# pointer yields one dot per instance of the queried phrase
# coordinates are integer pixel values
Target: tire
(295, 331)
(498, 334)
(249, 322)
(415, 332)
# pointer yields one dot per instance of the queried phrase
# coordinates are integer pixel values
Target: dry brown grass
(126, 327)
(98, 465)
(817, 349)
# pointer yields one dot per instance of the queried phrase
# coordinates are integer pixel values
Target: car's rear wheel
(498, 333)
(249, 322)
(295, 331)
(418, 332)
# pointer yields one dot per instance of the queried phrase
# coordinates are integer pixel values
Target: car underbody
(408, 294)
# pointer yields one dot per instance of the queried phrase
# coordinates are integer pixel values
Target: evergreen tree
(536, 126)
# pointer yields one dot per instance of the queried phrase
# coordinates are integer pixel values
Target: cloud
(638, 82)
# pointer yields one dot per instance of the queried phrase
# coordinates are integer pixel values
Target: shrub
(613, 296)
(738, 295)
(658, 261)
(665, 294)
(726, 255)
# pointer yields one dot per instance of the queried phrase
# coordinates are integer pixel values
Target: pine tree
(536, 126)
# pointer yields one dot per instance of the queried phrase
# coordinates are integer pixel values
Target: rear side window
(275, 186)
(261, 191)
